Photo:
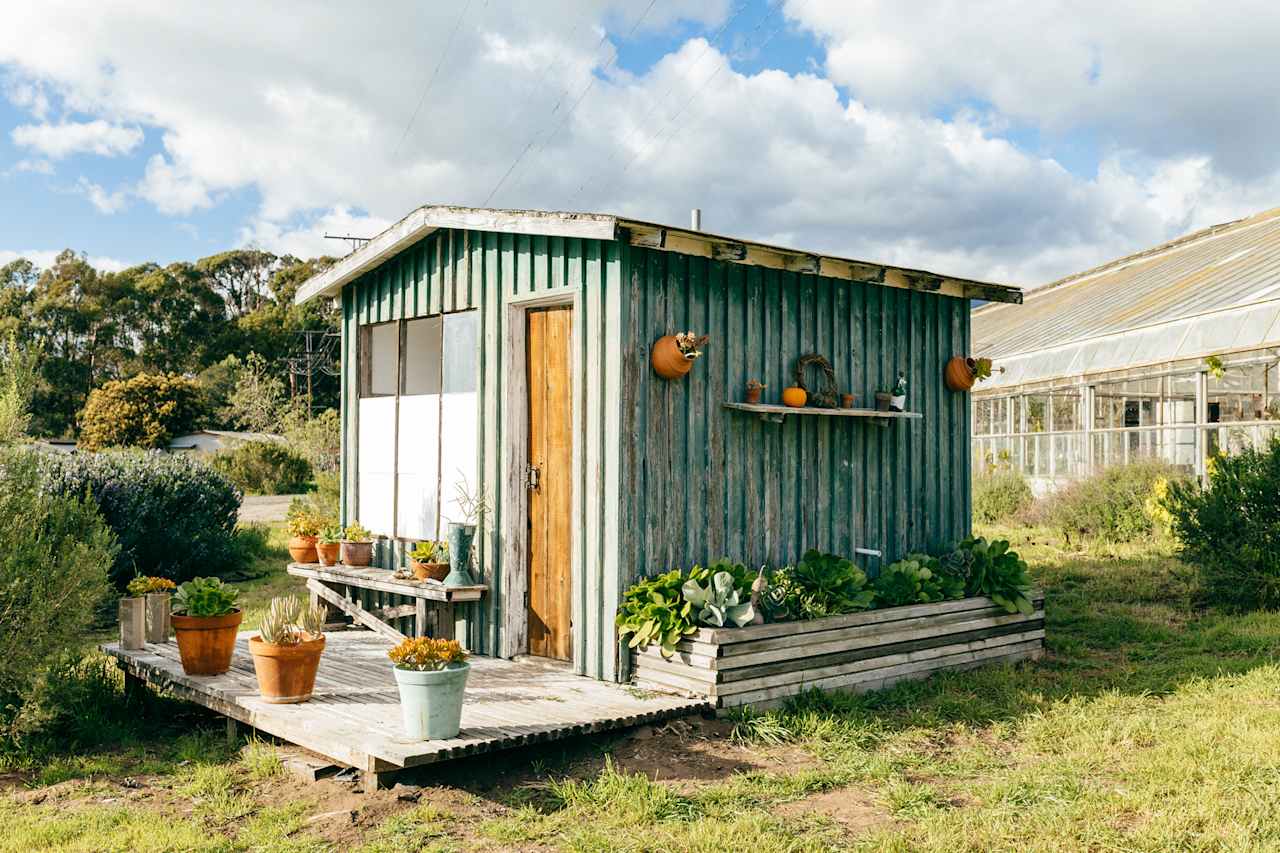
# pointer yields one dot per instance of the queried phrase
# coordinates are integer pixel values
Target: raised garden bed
(761, 665)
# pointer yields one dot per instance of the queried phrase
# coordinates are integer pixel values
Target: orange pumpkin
(795, 396)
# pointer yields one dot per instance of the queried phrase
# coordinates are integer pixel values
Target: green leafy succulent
(719, 602)
(917, 579)
(817, 586)
(654, 611)
(204, 597)
(998, 573)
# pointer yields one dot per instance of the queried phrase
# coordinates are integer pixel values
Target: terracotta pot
(357, 553)
(327, 552)
(959, 373)
(206, 643)
(846, 401)
(795, 396)
(433, 571)
(286, 674)
(302, 549)
(668, 362)
(753, 395)
(883, 401)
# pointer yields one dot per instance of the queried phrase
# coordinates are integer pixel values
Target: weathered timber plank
(355, 611)
(380, 580)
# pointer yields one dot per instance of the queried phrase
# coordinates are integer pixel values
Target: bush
(53, 573)
(1000, 495)
(173, 516)
(1230, 528)
(264, 468)
(145, 411)
(1111, 505)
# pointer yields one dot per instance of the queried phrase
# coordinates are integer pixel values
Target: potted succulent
(430, 560)
(895, 400)
(673, 355)
(754, 387)
(432, 677)
(154, 594)
(329, 544)
(205, 622)
(963, 371)
(286, 652)
(304, 527)
(356, 545)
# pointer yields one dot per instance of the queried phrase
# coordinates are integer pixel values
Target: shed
(509, 351)
(213, 440)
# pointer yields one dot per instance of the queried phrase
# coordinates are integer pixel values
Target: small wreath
(826, 398)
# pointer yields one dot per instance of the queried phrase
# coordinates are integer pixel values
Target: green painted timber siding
(705, 481)
(456, 270)
(664, 476)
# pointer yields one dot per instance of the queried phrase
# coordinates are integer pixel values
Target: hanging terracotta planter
(673, 355)
(959, 373)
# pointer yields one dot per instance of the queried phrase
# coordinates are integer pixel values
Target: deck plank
(354, 716)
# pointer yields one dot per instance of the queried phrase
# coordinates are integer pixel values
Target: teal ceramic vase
(431, 702)
(461, 537)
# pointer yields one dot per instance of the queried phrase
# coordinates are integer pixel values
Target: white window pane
(461, 351)
(380, 373)
(419, 459)
(457, 453)
(422, 356)
(375, 463)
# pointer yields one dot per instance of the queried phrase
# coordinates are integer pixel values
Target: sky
(993, 139)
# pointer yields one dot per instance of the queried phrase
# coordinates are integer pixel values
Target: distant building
(213, 440)
(59, 445)
(1168, 353)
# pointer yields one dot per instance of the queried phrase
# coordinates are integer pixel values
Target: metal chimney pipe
(695, 219)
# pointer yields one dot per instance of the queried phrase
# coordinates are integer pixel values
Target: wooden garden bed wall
(763, 664)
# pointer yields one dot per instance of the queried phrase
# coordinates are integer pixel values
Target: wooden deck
(354, 717)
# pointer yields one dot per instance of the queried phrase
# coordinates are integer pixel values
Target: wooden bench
(389, 606)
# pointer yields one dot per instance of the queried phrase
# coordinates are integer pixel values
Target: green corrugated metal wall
(664, 475)
(710, 481)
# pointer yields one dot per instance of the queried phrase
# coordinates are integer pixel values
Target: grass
(1151, 725)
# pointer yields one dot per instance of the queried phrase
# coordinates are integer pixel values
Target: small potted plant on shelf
(895, 400)
(357, 545)
(430, 560)
(303, 527)
(154, 593)
(286, 652)
(205, 622)
(754, 387)
(432, 677)
(329, 544)
(673, 355)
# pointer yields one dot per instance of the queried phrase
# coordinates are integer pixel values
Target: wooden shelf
(777, 414)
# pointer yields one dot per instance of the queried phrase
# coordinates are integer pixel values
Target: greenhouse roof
(1211, 292)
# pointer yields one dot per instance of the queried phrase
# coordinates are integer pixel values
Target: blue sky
(959, 137)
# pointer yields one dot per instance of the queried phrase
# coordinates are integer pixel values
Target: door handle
(533, 477)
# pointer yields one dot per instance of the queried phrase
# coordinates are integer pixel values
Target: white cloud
(311, 111)
(103, 201)
(92, 137)
(36, 166)
(44, 258)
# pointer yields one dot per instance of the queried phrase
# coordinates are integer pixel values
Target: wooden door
(550, 479)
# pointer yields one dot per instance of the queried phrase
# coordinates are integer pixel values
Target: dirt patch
(852, 808)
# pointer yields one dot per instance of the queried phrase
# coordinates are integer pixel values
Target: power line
(431, 81)
(591, 82)
(659, 101)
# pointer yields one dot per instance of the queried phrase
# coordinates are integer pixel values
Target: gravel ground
(264, 508)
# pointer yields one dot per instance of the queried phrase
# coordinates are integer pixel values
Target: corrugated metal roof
(1220, 269)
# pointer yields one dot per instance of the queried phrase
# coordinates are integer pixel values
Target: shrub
(1000, 495)
(264, 468)
(53, 573)
(1230, 529)
(144, 411)
(653, 610)
(173, 516)
(1110, 505)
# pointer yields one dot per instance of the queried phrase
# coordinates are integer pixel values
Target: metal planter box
(761, 665)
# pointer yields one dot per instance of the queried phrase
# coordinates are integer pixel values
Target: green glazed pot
(431, 702)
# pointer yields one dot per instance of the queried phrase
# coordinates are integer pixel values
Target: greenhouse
(1170, 353)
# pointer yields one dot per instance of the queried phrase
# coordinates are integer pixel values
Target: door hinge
(533, 477)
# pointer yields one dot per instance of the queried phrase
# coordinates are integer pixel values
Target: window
(417, 423)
